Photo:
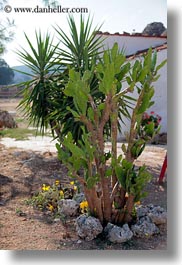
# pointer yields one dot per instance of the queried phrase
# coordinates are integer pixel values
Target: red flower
(145, 115)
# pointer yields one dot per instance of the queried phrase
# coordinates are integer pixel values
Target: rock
(160, 139)
(88, 227)
(158, 215)
(144, 227)
(68, 207)
(141, 211)
(56, 220)
(79, 242)
(154, 29)
(79, 197)
(33, 161)
(116, 234)
(6, 120)
(164, 34)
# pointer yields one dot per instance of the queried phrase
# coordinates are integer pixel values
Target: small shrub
(149, 126)
(47, 198)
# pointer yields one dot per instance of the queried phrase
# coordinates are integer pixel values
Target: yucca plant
(81, 51)
(37, 92)
(44, 101)
(82, 47)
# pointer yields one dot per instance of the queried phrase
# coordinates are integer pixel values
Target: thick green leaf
(154, 61)
(161, 65)
(121, 176)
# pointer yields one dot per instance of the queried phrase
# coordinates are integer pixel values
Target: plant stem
(133, 131)
(129, 208)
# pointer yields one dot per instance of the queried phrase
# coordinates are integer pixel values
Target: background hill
(20, 77)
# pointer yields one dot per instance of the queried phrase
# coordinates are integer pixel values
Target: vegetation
(6, 35)
(44, 101)
(83, 95)
(149, 122)
(48, 197)
(6, 73)
(111, 183)
(19, 133)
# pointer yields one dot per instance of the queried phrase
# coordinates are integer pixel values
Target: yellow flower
(137, 203)
(45, 188)
(61, 193)
(75, 188)
(72, 182)
(83, 206)
(57, 182)
(50, 207)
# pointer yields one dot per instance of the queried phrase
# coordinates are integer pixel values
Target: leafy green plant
(49, 196)
(37, 92)
(84, 103)
(111, 184)
(149, 126)
(81, 48)
(44, 101)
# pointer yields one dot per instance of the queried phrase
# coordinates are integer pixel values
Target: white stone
(158, 215)
(144, 228)
(88, 227)
(79, 197)
(68, 207)
(116, 234)
(141, 211)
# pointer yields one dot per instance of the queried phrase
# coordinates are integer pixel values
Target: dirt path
(22, 172)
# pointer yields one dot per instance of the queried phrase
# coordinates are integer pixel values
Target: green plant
(49, 195)
(111, 184)
(37, 92)
(44, 101)
(20, 133)
(81, 48)
(19, 212)
(84, 103)
(149, 126)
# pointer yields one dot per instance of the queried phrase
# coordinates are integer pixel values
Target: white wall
(160, 96)
(132, 44)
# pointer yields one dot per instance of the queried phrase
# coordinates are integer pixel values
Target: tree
(6, 33)
(6, 73)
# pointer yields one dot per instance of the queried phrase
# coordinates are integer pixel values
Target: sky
(116, 16)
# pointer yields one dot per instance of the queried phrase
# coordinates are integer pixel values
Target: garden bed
(22, 173)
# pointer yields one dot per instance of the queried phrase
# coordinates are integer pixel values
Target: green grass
(19, 119)
(20, 133)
